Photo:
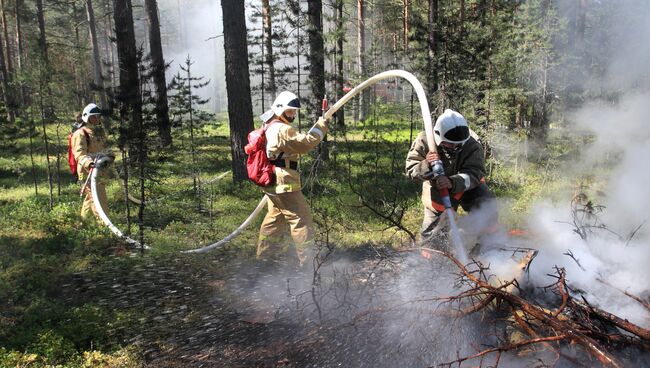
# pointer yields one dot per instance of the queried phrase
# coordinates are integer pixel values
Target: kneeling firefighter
(287, 205)
(88, 148)
(464, 173)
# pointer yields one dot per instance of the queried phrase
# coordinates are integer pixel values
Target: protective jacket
(86, 143)
(284, 145)
(465, 167)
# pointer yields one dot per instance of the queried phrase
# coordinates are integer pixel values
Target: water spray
(438, 170)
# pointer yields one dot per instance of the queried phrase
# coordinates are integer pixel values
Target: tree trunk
(97, 61)
(298, 66)
(75, 65)
(6, 92)
(129, 90)
(340, 115)
(45, 59)
(268, 41)
(19, 35)
(240, 108)
(5, 29)
(32, 133)
(43, 87)
(361, 57)
(406, 15)
(317, 63)
(42, 41)
(23, 92)
(109, 40)
(11, 99)
(130, 96)
(432, 48)
(191, 115)
(158, 73)
(46, 144)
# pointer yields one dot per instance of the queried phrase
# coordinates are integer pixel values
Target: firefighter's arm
(471, 172)
(79, 145)
(416, 163)
(290, 141)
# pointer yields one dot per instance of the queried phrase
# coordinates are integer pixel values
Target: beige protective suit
(287, 205)
(87, 142)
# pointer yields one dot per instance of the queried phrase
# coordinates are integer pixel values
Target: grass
(42, 250)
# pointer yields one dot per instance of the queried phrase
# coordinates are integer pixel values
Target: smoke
(195, 28)
(616, 252)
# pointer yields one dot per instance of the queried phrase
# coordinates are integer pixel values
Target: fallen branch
(641, 301)
(506, 348)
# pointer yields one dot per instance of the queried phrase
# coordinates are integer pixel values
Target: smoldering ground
(369, 308)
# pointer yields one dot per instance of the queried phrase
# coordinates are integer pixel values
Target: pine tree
(186, 110)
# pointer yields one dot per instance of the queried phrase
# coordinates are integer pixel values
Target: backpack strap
(86, 134)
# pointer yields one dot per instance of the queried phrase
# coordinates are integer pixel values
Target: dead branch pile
(572, 321)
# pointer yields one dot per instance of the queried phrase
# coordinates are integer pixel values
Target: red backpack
(71, 160)
(260, 169)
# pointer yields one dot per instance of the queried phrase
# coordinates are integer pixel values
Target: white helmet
(266, 116)
(285, 101)
(451, 127)
(90, 109)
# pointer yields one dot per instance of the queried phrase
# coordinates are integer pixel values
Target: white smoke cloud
(619, 154)
(187, 28)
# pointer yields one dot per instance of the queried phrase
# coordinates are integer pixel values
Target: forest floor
(74, 295)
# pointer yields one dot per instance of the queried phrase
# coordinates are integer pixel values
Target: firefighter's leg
(271, 231)
(86, 207)
(297, 213)
(432, 231)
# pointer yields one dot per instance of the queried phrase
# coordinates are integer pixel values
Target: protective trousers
(88, 206)
(286, 208)
(478, 197)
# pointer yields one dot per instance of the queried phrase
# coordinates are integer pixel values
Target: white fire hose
(428, 126)
(234, 234)
(109, 223)
(102, 213)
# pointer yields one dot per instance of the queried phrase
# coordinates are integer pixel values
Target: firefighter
(287, 205)
(464, 165)
(88, 144)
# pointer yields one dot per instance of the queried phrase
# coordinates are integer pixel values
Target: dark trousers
(473, 199)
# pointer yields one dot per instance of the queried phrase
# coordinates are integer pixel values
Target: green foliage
(52, 349)
(88, 359)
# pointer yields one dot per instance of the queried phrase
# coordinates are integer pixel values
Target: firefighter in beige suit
(88, 142)
(287, 205)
